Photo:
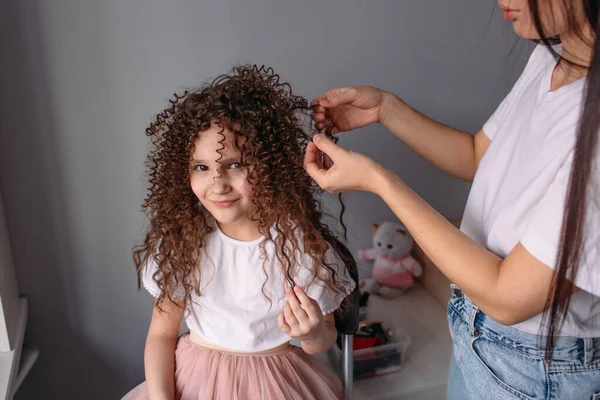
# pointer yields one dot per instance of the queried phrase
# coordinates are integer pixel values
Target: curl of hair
(267, 121)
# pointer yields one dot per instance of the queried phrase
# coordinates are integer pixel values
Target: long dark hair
(571, 239)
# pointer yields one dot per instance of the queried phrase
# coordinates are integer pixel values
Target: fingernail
(288, 290)
(317, 137)
(297, 288)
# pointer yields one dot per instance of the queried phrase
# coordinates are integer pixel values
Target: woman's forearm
(159, 364)
(473, 268)
(449, 149)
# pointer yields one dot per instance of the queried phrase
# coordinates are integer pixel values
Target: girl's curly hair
(260, 110)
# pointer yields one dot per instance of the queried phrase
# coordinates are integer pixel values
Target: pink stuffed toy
(394, 269)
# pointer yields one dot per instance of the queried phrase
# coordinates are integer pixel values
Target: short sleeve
(542, 234)
(494, 123)
(329, 300)
(150, 284)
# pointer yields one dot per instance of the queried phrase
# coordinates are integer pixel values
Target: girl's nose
(220, 184)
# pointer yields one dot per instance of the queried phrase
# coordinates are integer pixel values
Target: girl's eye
(235, 165)
(201, 168)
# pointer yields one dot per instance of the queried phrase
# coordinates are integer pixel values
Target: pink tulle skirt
(202, 373)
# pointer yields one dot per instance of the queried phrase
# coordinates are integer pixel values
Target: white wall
(81, 80)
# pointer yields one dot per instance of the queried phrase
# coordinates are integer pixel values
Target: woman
(525, 311)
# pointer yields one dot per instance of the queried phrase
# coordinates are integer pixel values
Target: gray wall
(81, 80)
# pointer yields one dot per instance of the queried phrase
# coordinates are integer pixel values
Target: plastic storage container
(378, 360)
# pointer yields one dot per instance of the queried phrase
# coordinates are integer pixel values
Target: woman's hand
(350, 171)
(349, 108)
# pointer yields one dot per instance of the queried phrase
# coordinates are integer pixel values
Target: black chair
(346, 320)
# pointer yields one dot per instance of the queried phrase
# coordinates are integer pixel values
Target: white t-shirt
(518, 193)
(232, 311)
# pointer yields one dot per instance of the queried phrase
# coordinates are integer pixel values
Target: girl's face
(552, 14)
(218, 178)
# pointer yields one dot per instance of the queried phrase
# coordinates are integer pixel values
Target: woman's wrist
(381, 180)
(399, 118)
(392, 106)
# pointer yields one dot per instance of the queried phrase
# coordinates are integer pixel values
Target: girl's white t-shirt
(519, 190)
(232, 311)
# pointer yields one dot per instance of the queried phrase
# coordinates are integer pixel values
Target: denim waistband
(567, 349)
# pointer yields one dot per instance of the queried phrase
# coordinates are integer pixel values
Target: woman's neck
(576, 57)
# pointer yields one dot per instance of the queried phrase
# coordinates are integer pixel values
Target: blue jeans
(497, 362)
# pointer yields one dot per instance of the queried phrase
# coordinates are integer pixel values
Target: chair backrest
(346, 317)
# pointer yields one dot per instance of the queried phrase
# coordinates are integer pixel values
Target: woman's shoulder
(543, 53)
(540, 58)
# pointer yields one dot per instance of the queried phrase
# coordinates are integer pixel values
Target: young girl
(237, 246)
(525, 311)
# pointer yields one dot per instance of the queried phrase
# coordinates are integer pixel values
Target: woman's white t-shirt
(232, 312)
(519, 190)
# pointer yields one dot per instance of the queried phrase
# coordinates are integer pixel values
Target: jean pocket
(520, 375)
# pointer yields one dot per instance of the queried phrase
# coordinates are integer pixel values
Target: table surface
(426, 369)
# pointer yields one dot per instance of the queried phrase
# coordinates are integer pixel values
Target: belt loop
(472, 315)
(588, 350)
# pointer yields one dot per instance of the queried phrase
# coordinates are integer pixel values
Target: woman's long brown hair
(268, 121)
(586, 150)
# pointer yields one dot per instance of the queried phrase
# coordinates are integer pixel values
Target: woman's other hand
(350, 171)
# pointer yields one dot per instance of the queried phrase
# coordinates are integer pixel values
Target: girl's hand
(301, 317)
(350, 170)
(349, 108)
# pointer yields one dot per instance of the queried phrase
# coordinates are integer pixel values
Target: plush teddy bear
(394, 269)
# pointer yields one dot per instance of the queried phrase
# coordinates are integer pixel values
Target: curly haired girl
(237, 246)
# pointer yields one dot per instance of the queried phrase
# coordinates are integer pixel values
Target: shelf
(29, 356)
(9, 360)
